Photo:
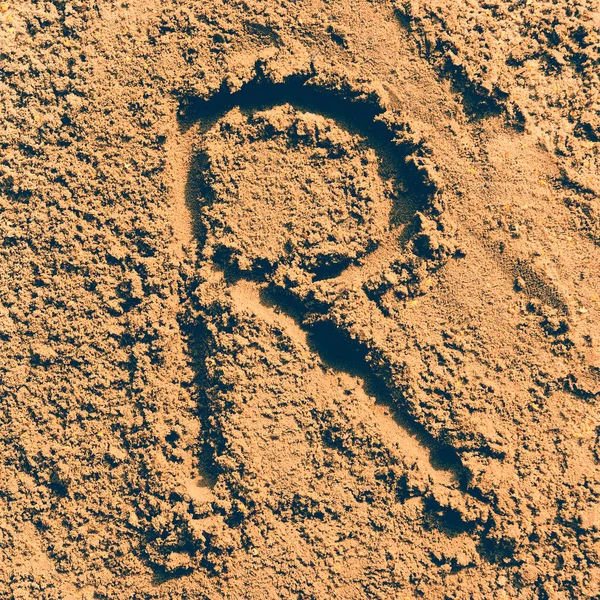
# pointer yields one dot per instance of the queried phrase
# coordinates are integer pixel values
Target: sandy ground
(300, 299)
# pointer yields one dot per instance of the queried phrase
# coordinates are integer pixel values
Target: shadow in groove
(340, 353)
(358, 117)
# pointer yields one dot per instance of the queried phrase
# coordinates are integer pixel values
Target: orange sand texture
(299, 299)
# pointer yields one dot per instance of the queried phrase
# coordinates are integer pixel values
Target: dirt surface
(300, 299)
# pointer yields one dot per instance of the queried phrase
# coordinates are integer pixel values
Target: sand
(300, 300)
